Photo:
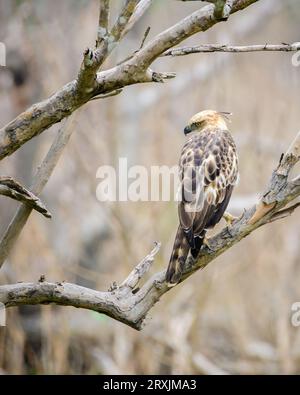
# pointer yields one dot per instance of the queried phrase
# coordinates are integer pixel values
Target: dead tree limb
(103, 21)
(11, 188)
(91, 83)
(208, 48)
(129, 304)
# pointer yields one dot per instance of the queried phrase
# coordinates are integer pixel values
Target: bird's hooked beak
(188, 129)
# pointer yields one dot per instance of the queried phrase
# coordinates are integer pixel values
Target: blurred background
(232, 317)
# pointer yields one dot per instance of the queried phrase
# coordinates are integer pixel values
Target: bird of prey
(208, 171)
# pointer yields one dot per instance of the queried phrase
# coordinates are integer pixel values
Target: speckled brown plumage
(208, 173)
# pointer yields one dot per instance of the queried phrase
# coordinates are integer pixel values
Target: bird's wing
(208, 172)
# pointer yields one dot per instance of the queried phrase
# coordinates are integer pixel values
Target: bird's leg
(229, 218)
(207, 244)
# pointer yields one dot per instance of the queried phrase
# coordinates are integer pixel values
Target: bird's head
(207, 118)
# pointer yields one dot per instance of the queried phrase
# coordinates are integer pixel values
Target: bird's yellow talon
(229, 218)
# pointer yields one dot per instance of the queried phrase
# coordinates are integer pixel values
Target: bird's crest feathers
(209, 118)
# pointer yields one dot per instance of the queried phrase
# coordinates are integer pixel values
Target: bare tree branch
(11, 188)
(110, 303)
(130, 304)
(139, 11)
(41, 178)
(206, 48)
(92, 60)
(103, 21)
(119, 28)
(73, 95)
(202, 71)
(222, 8)
(141, 46)
(141, 269)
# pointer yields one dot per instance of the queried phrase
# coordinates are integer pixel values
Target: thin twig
(145, 37)
(207, 48)
(141, 46)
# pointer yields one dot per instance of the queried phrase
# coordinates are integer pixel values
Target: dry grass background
(232, 317)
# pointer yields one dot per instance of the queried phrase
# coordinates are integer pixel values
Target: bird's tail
(178, 257)
(179, 254)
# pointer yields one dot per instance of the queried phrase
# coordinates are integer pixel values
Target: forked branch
(90, 82)
(11, 188)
